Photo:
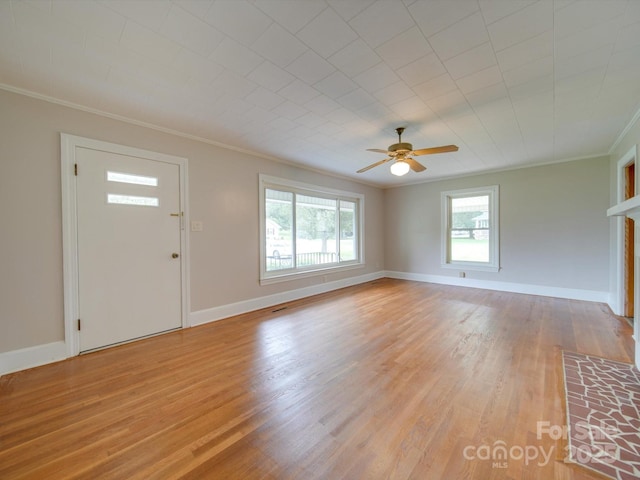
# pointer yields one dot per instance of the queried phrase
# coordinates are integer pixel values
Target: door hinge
(78, 324)
(75, 169)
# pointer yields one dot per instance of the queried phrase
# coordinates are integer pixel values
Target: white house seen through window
(470, 229)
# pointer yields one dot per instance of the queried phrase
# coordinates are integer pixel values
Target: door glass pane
(469, 234)
(131, 178)
(315, 231)
(279, 230)
(133, 200)
(348, 236)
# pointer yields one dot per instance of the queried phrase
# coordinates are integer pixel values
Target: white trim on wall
(527, 289)
(30, 357)
(68, 145)
(617, 295)
(42, 354)
(224, 311)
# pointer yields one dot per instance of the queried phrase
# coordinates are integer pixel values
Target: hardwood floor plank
(390, 379)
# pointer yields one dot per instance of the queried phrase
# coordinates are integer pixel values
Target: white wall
(554, 235)
(223, 186)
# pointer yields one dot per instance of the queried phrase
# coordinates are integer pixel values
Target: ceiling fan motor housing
(401, 147)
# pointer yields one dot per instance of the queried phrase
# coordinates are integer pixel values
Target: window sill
(479, 267)
(288, 276)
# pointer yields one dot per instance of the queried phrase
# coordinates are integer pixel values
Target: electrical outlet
(462, 274)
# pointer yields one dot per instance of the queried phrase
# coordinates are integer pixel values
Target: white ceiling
(316, 82)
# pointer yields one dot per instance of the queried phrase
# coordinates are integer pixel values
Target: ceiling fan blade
(415, 166)
(374, 165)
(431, 151)
(377, 150)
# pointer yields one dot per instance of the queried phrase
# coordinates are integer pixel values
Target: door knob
(174, 255)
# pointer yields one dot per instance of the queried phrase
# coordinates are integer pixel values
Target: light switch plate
(196, 226)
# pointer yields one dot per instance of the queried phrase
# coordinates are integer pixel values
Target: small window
(132, 179)
(470, 229)
(132, 200)
(307, 229)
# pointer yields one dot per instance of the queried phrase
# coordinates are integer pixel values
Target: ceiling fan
(402, 153)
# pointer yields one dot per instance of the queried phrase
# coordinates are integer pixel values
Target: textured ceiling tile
(348, 9)
(471, 61)
(407, 47)
(264, 98)
(90, 16)
(195, 66)
(199, 8)
(421, 70)
(310, 67)
(480, 79)
(289, 110)
(435, 87)
(293, 19)
(460, 37)
(279, 46)
(521, 53)
(436, 15)
(587, 40)
(490, 94)
(522, 25)
(298, 92)
(394, 93)
(237, 58)
(628, 37)
(191, 32)
(583, 62)
(356, 99)
(376, 78)
(355, 58)
(336, 85)
(327, 33)
(322, 105)
(39, 23)
(542, 67)
(452, 104)
(585, 14)
(148, 43)
(142, 12)
(493, 10)
(382, 21)
(239, 19)
(532, 88)
(270, 76)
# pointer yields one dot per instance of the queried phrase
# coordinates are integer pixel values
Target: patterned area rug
(603, 413)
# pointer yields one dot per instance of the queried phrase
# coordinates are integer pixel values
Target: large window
(470, 229)
(307, 229)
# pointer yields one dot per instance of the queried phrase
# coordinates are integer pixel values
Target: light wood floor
(389, 379)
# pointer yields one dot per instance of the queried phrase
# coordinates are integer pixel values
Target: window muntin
(470, 229)
(305, 229)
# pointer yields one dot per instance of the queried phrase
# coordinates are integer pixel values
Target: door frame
(619, 276)
(68, 145)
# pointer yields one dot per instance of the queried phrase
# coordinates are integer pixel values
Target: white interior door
(129, 268)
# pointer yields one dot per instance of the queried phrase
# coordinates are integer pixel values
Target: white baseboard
(52, 352)
(224, 311)
(32, 357)
(558, 292)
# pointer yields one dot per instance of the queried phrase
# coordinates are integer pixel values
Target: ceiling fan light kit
(402, 153)
(400, 168)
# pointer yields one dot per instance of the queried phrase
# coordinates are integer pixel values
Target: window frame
(300, 188)
(493, 265)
